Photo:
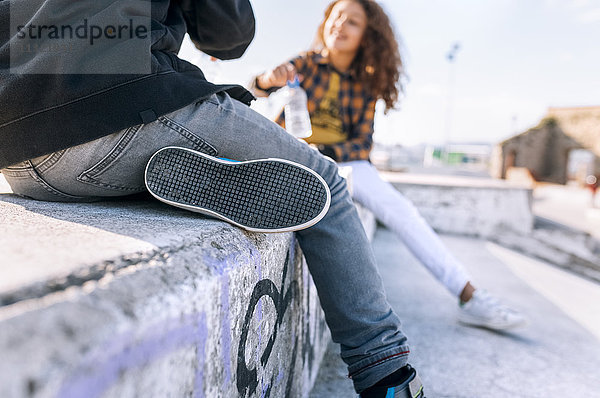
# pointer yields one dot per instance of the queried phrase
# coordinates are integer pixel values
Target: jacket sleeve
(220, 28)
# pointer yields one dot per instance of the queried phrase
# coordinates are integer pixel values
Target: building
(548, 150)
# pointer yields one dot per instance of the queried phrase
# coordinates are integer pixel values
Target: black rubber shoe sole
(266, 195)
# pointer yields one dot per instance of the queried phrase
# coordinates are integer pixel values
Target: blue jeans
(337, 251)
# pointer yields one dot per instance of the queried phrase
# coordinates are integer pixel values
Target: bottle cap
(294, 83)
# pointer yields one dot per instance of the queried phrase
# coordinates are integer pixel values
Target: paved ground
(557, 355)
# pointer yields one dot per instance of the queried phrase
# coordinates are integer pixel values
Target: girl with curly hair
(354, 63)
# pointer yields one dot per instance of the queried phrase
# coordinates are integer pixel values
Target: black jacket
(43, 109)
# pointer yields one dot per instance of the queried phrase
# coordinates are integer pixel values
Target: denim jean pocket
(199, 144)
(28, 179)
(122, 168)
(107, 174)
(41, 163)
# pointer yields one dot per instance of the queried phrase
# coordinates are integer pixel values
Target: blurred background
(478, 74)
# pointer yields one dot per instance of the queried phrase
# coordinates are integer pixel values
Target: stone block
(130, 297)
(467, 206)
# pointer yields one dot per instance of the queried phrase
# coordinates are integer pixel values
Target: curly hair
(378, 63)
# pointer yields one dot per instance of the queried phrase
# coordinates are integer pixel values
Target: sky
(516, 59)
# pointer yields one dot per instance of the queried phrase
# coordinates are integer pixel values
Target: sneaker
(409, 387)
(485, 311)
(266, 195)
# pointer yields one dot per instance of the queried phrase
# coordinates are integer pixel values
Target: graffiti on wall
(103, 369)
(247, 379)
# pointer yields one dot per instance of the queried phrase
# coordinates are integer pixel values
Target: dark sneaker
(409, 386)
(266, 195)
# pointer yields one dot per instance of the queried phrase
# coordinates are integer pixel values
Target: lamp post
(450, 57)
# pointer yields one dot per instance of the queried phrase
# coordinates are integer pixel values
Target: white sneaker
(486, 311)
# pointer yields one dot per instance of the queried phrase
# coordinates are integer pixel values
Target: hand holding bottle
(278, 77)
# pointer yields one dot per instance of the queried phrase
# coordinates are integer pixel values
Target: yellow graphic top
(326, 120)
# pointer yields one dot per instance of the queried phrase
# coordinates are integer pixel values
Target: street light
(450, 57)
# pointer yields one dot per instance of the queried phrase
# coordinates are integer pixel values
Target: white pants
(400, 215)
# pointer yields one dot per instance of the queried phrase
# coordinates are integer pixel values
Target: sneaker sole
(266, 195)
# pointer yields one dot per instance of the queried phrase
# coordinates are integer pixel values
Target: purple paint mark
(225, 329)
(200, 356)
(98, 373)
(222, 264)
(280, 376)
(264, 391)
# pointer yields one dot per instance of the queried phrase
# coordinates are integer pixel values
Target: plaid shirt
(357, 107)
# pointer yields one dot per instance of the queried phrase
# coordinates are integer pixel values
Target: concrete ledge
(466, 205)
(556, 244)
(501, 212)
(132, 298)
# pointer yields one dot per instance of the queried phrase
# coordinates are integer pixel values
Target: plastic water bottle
(297, 119)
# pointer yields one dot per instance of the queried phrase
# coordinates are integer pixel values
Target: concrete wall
(136, 299)
(468, 206)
